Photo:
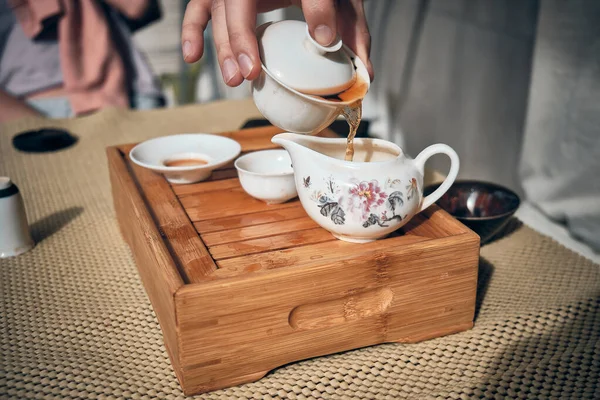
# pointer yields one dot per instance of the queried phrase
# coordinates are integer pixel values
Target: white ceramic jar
(15, 237)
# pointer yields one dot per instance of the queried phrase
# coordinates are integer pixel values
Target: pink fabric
(93, 70)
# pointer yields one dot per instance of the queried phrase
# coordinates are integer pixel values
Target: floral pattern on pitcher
(367, 202)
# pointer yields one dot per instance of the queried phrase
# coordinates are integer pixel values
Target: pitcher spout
(330, 152)
(300, 147)
(287, 140)
(307, 152)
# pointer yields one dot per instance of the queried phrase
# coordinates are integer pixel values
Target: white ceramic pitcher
(367, 198)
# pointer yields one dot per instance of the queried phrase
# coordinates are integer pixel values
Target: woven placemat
(75, 321)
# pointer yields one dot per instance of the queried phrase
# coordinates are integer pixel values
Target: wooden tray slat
(226, 203)
(160, 275)
(191, 255)
(196, 189)
(222, 174)
(271, 243)
(259, 231)
(250, 219)
(308, 255)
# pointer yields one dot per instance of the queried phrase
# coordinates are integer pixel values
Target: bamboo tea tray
(240, 287)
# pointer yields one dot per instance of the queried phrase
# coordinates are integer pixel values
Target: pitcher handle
(454, 165)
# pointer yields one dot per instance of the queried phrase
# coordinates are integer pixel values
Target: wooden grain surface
(214, 229)
(241, 287)
(157, 269)
(190, 253)
(403, 294)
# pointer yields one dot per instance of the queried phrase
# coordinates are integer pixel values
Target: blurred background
(456, 71)
(512, 85)
(202, 82)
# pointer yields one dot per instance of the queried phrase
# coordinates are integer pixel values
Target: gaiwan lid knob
(294, 58)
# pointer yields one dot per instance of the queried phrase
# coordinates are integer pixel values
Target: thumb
(320, 17)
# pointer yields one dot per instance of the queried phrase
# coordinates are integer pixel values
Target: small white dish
(267, 175)
(185, 158)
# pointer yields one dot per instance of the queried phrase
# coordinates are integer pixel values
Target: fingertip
(195, 19)
(323, 34)
(236, 81)
(231, 72)
(186, 48)
(255, 73)
(191, 56)
(321, 18)
(191, 47)
(241, 25)
(245, 64)
(249, 67)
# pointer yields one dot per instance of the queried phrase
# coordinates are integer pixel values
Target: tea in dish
(185, 162)
(291, 54)
(304, 86)
(352, 112)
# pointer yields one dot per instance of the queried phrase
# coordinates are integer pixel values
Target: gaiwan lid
(294, 58)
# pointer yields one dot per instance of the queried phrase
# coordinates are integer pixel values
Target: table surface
(75, 320)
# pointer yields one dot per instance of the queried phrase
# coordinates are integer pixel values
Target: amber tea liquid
(353, 115)
(186, 162)
(353, 112)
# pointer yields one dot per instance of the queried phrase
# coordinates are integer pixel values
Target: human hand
(234, 23)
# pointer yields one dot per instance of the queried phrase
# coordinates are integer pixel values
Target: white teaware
(365, 199)
(267, 175)
(296, 71)
(168, 155)
(15, 237)
(295, 59)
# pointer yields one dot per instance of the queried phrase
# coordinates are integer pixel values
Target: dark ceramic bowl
(482, 206)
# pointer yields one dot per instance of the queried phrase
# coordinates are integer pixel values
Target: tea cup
(267, 175)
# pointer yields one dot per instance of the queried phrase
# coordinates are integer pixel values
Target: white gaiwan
(298, 75)
(296, 60)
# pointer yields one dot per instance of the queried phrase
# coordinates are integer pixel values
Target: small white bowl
(214, 150)
(267, 175)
